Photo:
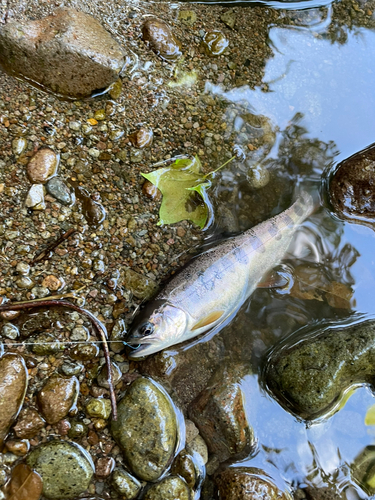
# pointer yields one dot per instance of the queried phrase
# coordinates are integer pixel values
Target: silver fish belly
(215, 284)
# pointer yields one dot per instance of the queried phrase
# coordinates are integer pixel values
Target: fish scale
(216, 283)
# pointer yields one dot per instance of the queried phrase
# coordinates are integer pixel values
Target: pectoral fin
(208, 320)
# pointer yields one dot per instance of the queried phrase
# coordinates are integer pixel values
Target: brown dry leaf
(339, 295)
(25, 484)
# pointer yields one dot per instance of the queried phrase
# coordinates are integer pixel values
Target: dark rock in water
(57, 397)
(57, 188)
(68, 53)
(363, 469)
(146, 429)
(170, 488)
(309, 375)
(184, 467)
(29, 423)
(219, 414)
(174, 369)
(246, 483)
(13, 385)
(125, 484)
(65, 468)
(161, 39)
(352, 188)
(324, 493)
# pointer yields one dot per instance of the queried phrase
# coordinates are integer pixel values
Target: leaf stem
(221, 166)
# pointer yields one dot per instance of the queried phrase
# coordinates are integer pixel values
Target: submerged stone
(42, 166)
(246, 483)
(68, 53)
(170, 488)
(215, 43)
(13, 385)
(310, 375)
(146, 429)
(125, 484)
(57, 188)
(57, 397)
(161, 39)
(65, 468)
(219, 414)
(351, 187)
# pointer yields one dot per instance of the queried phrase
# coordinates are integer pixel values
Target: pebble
(25, 282)
(151, 191)
(229, 18)
(29, 423)
(125, 484)
(115, 90)
(103, 375)
(19, 447)
(184, 467)
(84, 352)
(65, 468)
(45, 343)
(141, 286)
(42, 166)
(146, 429)
(215, 43)
(99, 408)
(69, 368)
(19, 145)
(13, 385)
(23, 268)
(191, 430)
(77, 429)
(68, 52)
(35, 197)
(199, 446)
(141, 138)
(79, 333)
(57, 397)
(161, 39)
(104, 466)
(10, 331)
(245, 483)
(258, 176)
(52, 283)
(57, 188)
(118, 335)
(170, 488)
(187, 16)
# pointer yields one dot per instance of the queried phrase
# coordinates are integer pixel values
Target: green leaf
(183, 187)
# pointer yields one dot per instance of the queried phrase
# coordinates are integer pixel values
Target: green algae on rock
(170, 488)
(247, 483)
(13, 385)
(125, 484)
(66, 469)
(68, 53)
(310, 374)
(146, 429)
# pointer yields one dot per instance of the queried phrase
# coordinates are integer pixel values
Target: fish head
(163, 327)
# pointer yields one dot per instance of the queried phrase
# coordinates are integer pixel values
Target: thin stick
(53, 245)
(98, 325)
(218, 168)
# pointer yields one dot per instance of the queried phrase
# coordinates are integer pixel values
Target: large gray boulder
(68, 53)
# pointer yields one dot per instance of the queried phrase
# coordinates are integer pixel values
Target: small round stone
(215, 43)
(66, 469)
(125, 484)
(170, 488)
(103, 375)
(35, 197)
(23, 268)
(99, 408)
(80, 333)
(9, 331)
(68, 368)
(52, 283)
(42, 166)
(77, 430)
(19, 447)
(151, 191)
(25, 282)
(57, 188)
(141, 138)
(161, 39)
(19, 145)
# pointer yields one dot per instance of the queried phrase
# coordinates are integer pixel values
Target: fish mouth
(144, 350)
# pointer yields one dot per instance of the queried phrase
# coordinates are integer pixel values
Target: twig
(98, 325)
(53, 245)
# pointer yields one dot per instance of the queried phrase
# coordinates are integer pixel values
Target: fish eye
(146, 329)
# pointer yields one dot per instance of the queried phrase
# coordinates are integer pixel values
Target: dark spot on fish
(207, 284)
(273, 229)
(257, 243)
(240, 255)
(298, 209)
(288, 221)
